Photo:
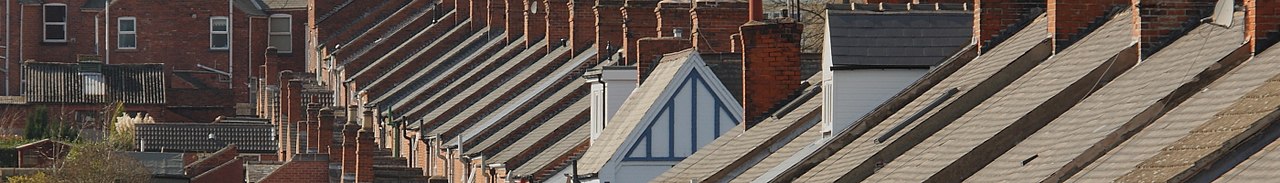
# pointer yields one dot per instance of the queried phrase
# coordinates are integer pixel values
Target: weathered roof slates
(50, 82)
(194, 137)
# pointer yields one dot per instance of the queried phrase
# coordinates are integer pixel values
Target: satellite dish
(1223, 13)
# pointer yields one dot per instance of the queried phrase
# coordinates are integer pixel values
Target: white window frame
(119, 32)
(213, 32)
(44, 19)
(287, 32)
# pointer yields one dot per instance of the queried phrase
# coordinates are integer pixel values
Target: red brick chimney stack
(349, 135)
(997, 16)
(674, 15)
(1066, 18)
(770, 66)
(1263, 19)
(324, 141)
(640, 21)
(714, 24)
(497, 14)
(365, 148)
(609, 26)
(535, 21)
(557, 23)
(293, 100)
(309, 128)
(582, 24)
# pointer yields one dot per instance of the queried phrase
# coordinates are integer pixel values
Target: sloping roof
(879, 38)
(50, 82)
(1212, 139)
(543, 133)
(1183, 119)
(561, 148)
(284, 4)
(1082, 133)
(160, 163)
(1012, 106)
(194, 137)
(1260, 167)
(992, 70)
(732, 151)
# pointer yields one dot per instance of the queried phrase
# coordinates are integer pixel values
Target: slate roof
(990, 71)
(1011, 105)
(1260, 167)
(1184, 118)
(193, 137)
(739, 148)
(544, 133)
(1211, 140)
(629, 115)
(896, 38)
(1085, 131)
(52, 82)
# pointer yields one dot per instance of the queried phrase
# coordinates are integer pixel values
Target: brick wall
(479, 13)
(649, 50)
(300, 171)
(365, 147)
(999, 19)
(639, 22)
(350, 132)
(674, 15)
(212, 161)
(515, 19)
(293, 104)
(228, 171)
(582, 24)
(771, 66)
(714, 23)
(1162, 21)
(1263, 18)
(324, 135)
(608, 26)
(312, 128)
(535, 21)
(557, 23)
(497, 14)
(1071, 20)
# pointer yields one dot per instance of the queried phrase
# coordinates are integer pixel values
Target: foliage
(41, 126)
(11, 141)
(38, 177)
(812, 16)
(99, 162)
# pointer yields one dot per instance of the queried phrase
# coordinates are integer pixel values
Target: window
(219, 33)
(281, 34)
(55, 22)
(128, 33)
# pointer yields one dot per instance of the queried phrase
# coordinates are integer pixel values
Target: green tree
(37, 123)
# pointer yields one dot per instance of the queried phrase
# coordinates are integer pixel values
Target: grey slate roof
(985, 71)
(1013, 106)
(1184, 118)
(193, 137)
(51, 82)
(545, 133)
(896, 38)
(1083, 132)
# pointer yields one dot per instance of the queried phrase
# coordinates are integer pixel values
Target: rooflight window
(55, 22)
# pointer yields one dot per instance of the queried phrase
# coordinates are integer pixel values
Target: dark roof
(193, 137)
(94, 4)
(160, 163)
(49, 82)
(896, 38)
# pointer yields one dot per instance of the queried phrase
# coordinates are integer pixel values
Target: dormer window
(55, 23)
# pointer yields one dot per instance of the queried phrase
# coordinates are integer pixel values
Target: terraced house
(711, 91)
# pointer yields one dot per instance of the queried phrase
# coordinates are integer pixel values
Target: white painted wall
(851, 94)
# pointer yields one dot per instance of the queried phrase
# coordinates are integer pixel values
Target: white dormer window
(127, 33)
(219, 33)
(55, 22)
(281, 33)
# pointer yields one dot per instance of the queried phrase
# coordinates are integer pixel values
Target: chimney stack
(557, 23)
(1069, 21)
(1263, 21)
(997, 20)
(479, 13)
(639, 22)
(324, 141)
(756, 9)
(349, 135)
(308, 129)
(770, 66)
(365, 148)
(714, 24)
(673, 17)
(293, 101)
(1162, 21)
(582, 25)
(651, 49)
(609, 27)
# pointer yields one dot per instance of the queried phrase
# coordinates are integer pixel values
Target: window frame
(226, 31)
(44, 15)
(120, 32)
(287, 32)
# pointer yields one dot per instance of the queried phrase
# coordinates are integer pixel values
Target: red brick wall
(300, 171)
(1263, 17)
(650, 49)
(535, 22)
(582, 24)
(608, 26)
(714, 23)
(640, 21)
(1164, 20)
(1067, 17)
(497, 14)
(674, 15)
(229, 171)
(364, 156)
(771, 66)
(212, 161)
(557, 23)
(995, 16)
(324, 142)
(515, 17)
